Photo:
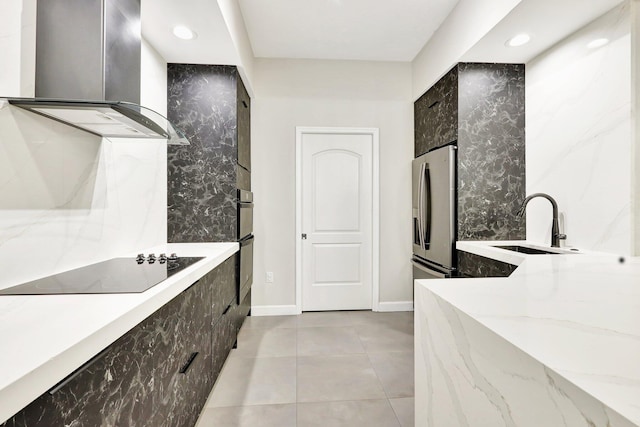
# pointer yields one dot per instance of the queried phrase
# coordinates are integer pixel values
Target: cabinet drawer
(244, 126)
(224, 336)
(222, 282)
(183, 375)
(436, 115)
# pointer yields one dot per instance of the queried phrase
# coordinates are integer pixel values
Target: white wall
(579, 120)
(292, 93)
(235, 23)
(17, 41)
(68, 198)
(635, 106)
(153, 81)
(469, 21)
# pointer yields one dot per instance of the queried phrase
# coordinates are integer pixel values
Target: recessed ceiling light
(519, 40)
(597, 43)
(183, 32)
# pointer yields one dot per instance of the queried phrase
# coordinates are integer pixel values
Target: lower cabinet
(160, 373)
(472, 265)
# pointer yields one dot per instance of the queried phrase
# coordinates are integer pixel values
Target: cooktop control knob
(140, 258)
(162, 258)
(151, 258)
(173, 257)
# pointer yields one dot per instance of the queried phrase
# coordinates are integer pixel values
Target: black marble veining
(491, 151)
(244, 127)
(202, 101)
(137, 382)
(472, 265)
(481, 108)
(223, 281)
(436, 114)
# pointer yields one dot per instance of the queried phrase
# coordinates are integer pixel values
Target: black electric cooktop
(114, 276)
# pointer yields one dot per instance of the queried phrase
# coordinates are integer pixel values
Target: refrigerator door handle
(420, 205)
(427, 270)
(427, 227)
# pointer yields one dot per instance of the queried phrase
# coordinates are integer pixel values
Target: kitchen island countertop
(561, 333)
(44, 338)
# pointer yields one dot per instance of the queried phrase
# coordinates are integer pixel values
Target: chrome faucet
(555, 228)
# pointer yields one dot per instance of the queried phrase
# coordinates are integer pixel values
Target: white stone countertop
(578, 314)
(44, 338)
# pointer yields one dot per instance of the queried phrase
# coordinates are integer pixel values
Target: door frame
(375, 217)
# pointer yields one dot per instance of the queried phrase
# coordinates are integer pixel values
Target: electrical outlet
(269, 277)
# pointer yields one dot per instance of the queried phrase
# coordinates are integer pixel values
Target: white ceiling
(213, 44)
(378, 30)
(546, 21)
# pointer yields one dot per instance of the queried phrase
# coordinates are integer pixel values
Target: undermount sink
(531, 251)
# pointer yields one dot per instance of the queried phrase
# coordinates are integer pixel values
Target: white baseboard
(274, 310)
(287, 310)
(396, 306)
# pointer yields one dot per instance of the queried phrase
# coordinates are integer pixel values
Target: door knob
(304, 236)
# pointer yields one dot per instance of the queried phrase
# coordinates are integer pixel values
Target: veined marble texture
(202, 176)
(69, 198)
(138, 381)
(579, 137)
(555, 344)
(491, 152)
(51, 336)
(480, 107)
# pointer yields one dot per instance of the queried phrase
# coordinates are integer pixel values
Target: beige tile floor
(345, 368)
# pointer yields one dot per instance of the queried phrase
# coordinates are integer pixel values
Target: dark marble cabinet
(161, 372)
(211, 105)
(436, 114)
(472, 265)
(481, 109)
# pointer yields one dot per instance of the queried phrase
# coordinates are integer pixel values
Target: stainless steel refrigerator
(434, 214)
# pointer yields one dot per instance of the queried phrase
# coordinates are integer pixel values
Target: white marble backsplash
(68, 198)
(578, 104)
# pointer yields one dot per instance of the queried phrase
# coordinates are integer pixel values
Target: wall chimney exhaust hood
(88, 70)
(109, 119)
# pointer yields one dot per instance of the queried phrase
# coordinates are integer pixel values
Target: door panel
(336, 184)
(336, 263)
(337, 218)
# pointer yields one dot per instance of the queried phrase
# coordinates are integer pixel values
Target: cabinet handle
(227, 309)
(187, 365)
(434, 104)
(78, 371)
(245, 104)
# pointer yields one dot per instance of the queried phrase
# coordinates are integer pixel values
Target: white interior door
(336, 221)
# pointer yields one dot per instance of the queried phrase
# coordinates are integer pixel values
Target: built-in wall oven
(245, 239)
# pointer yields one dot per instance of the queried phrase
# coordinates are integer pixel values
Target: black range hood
(109, 119)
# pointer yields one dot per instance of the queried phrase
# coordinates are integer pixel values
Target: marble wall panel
(70, 198)
(467, 375)
(579, 137)
(491, 151)
(202, 177)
